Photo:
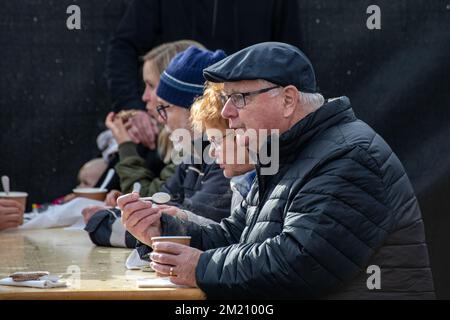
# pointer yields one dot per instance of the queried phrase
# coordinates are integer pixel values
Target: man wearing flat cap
(338, 220)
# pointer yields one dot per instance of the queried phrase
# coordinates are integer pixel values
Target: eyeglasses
(238, 99)
(217, 143)
(162, 111)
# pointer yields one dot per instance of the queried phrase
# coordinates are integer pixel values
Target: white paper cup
(185, 240)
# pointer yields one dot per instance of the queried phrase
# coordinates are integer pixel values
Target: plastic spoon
(137, 187)
(158, 197)
(5, 184)
(108, 178)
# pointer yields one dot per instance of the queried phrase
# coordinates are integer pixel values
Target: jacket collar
(334, 111)
(243, 183)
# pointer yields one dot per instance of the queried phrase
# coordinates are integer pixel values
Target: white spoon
(158, 197)
(108, 178)
(5, 184)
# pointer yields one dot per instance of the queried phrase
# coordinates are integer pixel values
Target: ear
(290, 100)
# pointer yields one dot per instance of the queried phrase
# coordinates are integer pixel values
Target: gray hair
(309, 101)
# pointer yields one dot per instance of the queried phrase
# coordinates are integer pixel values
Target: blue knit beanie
(182, 81)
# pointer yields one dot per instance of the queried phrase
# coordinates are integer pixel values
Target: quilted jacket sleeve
(209, 198)
(203, 237)
(210, 236)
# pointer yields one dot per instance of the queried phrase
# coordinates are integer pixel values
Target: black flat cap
(277, 62)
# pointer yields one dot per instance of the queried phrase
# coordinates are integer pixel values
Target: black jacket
(218, 24)
(340, 202)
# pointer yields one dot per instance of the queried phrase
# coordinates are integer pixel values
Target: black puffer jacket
(340, 202)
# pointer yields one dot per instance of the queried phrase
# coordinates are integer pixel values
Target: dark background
(53, 97)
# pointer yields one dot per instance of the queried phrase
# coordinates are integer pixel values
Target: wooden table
(62, 252)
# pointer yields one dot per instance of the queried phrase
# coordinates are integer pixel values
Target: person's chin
(227, 173)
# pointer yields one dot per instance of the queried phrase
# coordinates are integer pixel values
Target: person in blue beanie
(180, 82)
(195, 187)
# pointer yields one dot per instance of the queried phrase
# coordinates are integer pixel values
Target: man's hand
(143, 129)
(111, 198)
(88, 212)
(173, 211)
(117, 127)
(11, 213)
(182, 259)
(139, 218)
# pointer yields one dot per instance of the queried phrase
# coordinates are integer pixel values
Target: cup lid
(13, 194)
(89, 190)
(170, 237)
